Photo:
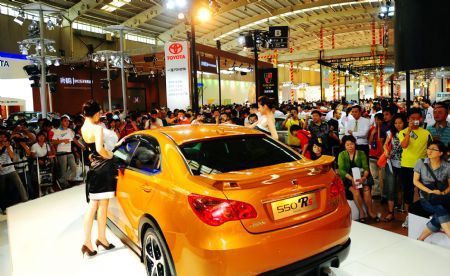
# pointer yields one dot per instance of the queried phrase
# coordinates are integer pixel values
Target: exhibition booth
(16, 94)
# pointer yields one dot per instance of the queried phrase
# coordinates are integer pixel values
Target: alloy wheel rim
(154, 255)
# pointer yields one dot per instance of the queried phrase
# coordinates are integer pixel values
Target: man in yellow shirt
(292, 119)
(414, 141)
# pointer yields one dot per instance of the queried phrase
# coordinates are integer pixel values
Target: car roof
(188, 133)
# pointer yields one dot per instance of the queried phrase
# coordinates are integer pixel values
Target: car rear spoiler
(271, 174)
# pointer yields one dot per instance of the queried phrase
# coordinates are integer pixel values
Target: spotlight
(170, 5)
(95, 58)
(20, 18)
(102, 58)
(51, 48)
(31, 70)
(181, 16)
(59, 20)
(51, 78)
(181, 3)
(104, 84)
(56, 63)
(52, 87)
(241, 39)
(33, 29)
(23, 49)
(48, 62)
(204, 14)
(35, 80)
(50, 24)
(38, 47)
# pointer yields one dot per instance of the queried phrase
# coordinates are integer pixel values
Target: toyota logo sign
(175, 48)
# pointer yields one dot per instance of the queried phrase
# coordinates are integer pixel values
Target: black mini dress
(101, 178)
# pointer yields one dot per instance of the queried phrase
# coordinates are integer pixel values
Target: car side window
(124, 152)
(147, 157)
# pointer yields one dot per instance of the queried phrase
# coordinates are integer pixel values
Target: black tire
(156, 254)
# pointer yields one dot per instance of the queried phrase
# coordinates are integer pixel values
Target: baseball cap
(65, 116)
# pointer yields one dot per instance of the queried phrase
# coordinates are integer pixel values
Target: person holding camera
(414, 141)
(8, 175)
(432, 178)
(21, 153)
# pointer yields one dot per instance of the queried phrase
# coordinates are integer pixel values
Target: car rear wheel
(156, 254)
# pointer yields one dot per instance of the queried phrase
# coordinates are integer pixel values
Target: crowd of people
(379, 148)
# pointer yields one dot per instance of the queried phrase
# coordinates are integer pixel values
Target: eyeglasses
(433, 149)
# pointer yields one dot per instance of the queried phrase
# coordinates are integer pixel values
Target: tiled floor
(48, 243)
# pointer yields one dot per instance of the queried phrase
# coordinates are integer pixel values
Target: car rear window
(235, 154)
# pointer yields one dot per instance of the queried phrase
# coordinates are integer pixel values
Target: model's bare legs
(101, 220)
(88, 221)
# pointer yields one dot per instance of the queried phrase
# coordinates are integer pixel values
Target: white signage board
(442, 96)
(11, 66)
(177, 74)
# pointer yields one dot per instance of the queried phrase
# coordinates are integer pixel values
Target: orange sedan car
(227, 200)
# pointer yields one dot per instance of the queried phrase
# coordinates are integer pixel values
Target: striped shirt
(6, 159)
(440, 133)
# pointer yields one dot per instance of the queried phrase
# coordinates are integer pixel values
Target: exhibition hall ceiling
(352, 23)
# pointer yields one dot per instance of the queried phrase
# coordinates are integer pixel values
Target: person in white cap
(62, 140)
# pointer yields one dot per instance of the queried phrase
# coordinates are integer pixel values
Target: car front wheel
(156, 254)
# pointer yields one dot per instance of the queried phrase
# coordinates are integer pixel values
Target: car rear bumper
(333, 257)
(234, 252)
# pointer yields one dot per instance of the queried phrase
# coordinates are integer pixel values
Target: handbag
(440, 185)
(382, 161)
(376, 148)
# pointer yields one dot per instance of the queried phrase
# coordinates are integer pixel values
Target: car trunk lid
(283, 195)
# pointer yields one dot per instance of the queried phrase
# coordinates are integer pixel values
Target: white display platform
(46, 236)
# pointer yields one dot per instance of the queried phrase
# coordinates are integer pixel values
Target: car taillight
(336, 187)
(216, 211)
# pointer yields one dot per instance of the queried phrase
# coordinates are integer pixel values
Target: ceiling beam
(79, 9)
(144, 16)
(233, 43)
(303, 56)
(274, 13)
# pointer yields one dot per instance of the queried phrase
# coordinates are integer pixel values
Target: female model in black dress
(100, 181)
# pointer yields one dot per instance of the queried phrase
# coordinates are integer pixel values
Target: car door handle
(146, 188)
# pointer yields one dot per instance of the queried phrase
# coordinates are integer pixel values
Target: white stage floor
(45, 238)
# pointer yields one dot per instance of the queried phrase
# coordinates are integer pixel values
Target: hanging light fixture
(51, 48)
(48, 62)
(387, 10)
(50, 24)
(56, 63)
(20, 18)
(59, 20)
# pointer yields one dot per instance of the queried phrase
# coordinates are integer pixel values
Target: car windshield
(234, 154)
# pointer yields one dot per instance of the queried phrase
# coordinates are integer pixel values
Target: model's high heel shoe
(109, 247)
(87, 251)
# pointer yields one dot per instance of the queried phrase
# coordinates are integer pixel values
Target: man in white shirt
(277, 113)
(62, 140)
(157, 121)
(359, 127)
(428, 113)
